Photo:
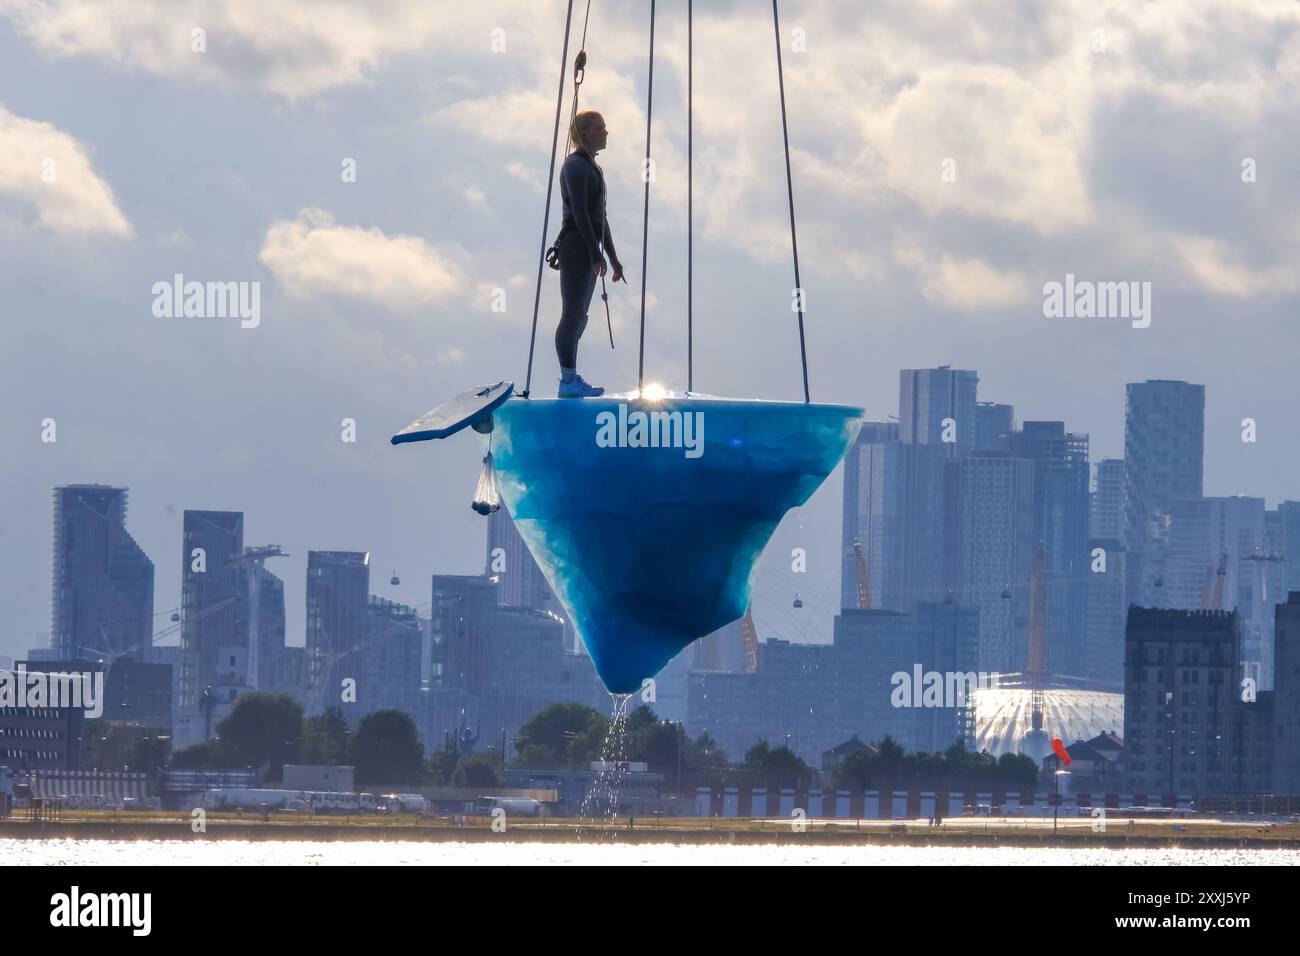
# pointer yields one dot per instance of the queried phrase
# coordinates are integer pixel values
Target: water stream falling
(602, 796)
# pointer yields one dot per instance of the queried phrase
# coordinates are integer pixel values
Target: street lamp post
(1056, 798)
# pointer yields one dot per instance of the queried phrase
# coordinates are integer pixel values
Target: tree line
(265, 731)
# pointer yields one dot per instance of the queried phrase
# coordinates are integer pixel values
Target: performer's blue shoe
(577, 387)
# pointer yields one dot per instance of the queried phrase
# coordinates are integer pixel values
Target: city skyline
(904, 268)
(825, 556)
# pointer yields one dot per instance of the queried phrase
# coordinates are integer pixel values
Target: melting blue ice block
(648, 517)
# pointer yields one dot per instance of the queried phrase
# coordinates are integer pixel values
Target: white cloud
(967, 284)
(1010, 89)
(1217, 267)
(45, 168)
(294, 48)
(312, 256)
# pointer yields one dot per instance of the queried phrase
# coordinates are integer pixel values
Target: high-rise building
(873, 515)
(364, 653)
(1164, 460)
(990, 541)
(722, 650)
(261, 612)
(338, 607)
(1285, 542)
(1181, 702)
(1106, 519)
(170, 654)
(138, 696)
(894, 511)
(994, 426)
(1061, 505)
(212, 615)
(1286, 697)
(267, 618)
(460, 604)
(519, 580)
(1107, 598)
(812, 696)
(388, 663)
(47, 738)
(1107, 611)
(492, 667)
(792, 699)
(1212, 535)
(936, 406)
(102, 592)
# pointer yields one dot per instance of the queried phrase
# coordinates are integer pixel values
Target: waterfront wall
(913, 804)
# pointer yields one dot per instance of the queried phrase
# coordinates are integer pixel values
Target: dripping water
(602, 796)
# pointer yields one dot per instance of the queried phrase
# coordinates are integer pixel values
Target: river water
(350, 853)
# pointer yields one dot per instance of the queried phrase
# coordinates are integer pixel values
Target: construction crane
(1212, 587)
(864, 585)
(1216, 601)
(1038, 639)
(749, 634)
(195, 617)
(1206, 587)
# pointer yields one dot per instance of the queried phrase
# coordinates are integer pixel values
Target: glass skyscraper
(102, 587)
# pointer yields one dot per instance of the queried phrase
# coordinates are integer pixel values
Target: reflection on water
(286, 853)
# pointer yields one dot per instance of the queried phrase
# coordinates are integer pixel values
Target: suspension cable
(690, 196)
(789, 184)
(550, 183)
(579, 74)
(645, 214)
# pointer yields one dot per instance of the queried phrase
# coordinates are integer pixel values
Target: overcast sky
(950, 157)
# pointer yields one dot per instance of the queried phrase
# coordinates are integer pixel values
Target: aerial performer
(648, 510)
(581, 248)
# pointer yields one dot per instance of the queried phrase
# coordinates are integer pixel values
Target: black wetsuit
(584, 231)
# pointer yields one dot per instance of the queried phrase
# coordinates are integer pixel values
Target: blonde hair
(581, 126)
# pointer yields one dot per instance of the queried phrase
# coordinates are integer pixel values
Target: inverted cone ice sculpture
(648, 517)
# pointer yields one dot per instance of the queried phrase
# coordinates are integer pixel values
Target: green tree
(705, 763)
(657, 743)
(1017, 770)
(890, 755)
(210, 753)
(325, 738)
(774, 767)
(386, 748)
(442, 765)
(561, 736)
(264, 728)
(664, 746)
(857, 769)
(705, 754)
(476, 770)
